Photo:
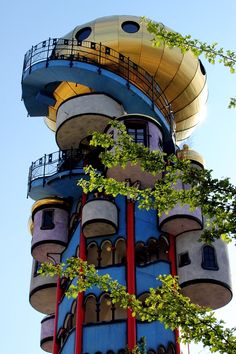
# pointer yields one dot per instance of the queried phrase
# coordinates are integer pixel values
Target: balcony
(99, 218)
(50, 233)
(79, 116)
(84, 53)
(56, 174)
(42, 295)
(181, 219)
(47, 331)
(146, 131)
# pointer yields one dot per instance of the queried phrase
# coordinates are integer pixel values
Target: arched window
(161, 350)
(153, 250)
(163, 248)
(140, 253)
(90, 309)
(120, 312)
(77, 252)
(68, 323)
(142, 298)
(120, 251)
(73, 312)
(92, 254)
(121, 351)
(209, 260)
(105, 313)
(171, 348)
(62, 334)
(106, 253)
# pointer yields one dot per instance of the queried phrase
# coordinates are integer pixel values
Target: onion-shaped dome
(181, 76)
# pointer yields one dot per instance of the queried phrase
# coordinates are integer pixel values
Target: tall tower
(108, 69)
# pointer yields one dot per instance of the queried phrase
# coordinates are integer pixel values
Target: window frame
(210, 258)
(138, 125)
(44, 224)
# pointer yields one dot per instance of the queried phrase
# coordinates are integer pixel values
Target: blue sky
(24, 23)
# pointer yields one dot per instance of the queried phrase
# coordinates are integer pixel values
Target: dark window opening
(130, 26)
(83, 34)
(138, 132)
(47, 220)
(184, 259)
(209, 258)
(37, 266)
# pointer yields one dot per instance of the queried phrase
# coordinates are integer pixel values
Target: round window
(130, 26)
(83, 34)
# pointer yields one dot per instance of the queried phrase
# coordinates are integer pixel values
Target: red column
(56, 345)
(80, 299)
(131, 321)
(172, 258)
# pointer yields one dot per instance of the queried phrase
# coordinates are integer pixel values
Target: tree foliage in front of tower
(212, 53)
(165, 303)
(216, 197)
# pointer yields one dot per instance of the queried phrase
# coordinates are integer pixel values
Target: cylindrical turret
(50, 235)
(203, 270)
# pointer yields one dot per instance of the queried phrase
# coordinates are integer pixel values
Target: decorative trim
(39, 243)
(88, 94)
(48, 318)
(92, 221)
(180, 216)
(204, 280)
(44, 340)
(42, 287)
(49, 202)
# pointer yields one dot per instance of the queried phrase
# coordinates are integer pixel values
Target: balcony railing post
(48, 49)
(100, 58)
(44, 169)
(30, 61)
(152, 92)
(128, 73)
(71, 53)
(30, 179)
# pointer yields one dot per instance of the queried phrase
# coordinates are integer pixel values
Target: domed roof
(180, 76)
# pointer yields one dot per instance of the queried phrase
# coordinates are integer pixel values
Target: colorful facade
(102, 70)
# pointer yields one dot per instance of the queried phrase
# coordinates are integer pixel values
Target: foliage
(211, 52)
(164, 303)
(217, 198)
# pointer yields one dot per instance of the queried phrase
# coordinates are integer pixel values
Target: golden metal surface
(189, 154)
(64, 91)
(48, 201)
(178, 75)
(31, 225)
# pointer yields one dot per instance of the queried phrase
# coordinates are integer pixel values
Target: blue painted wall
(103, 337)
(69, 344)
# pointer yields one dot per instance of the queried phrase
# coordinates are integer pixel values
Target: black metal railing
(103, 57)
(56, 162)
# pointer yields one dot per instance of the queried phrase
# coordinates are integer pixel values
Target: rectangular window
(138, 132)
(184, 259)
(47, 219)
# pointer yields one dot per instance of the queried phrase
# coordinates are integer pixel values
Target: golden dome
(180, 76)
(187, 153)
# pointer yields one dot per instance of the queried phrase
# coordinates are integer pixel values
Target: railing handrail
(102, 56)
(55, 162)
